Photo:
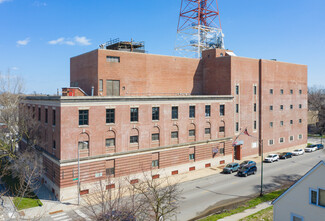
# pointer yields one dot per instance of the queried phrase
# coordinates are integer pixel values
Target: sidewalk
(247, 212)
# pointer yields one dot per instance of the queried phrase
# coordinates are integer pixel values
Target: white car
(298, 152)
(311, 148)
(271, 158)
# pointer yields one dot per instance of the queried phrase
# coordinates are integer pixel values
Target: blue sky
(38, 37)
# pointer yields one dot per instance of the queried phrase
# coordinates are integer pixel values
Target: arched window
(207, 130)
(134, 138)
(155, 137)
(191, 132)
(174, 136)
(83, 144)
(110, 142)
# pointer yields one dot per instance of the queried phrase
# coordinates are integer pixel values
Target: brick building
(128, 112)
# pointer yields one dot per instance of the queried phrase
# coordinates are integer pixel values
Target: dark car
(247, 170)
(247, 163)
(320, 146)
(230, 168)
(285, 155)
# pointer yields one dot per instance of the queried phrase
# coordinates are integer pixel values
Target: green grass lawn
(263, 215)
(30, 200)
(250, 204)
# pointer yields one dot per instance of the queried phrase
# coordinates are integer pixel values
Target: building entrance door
(237, 152)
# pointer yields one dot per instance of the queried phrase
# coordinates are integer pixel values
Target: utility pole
(78, 175)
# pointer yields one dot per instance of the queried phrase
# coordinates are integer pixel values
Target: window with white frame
(281, 140)
(271, 142)
(300, 136)
(291, 138)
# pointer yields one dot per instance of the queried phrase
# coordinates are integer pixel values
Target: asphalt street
(201, 194)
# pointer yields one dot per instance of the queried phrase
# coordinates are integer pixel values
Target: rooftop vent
(131, 46)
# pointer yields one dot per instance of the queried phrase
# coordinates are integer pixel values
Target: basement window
(113, 59)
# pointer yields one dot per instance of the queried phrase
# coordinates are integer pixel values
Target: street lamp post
(78, 175)
(261, 145)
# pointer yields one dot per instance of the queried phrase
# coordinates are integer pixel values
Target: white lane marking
(66, 219)
(82, 214)
(61, 214)
(61, 217)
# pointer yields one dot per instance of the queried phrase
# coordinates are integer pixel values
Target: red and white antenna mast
(199, 27)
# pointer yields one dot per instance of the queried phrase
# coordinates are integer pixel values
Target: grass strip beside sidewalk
(250, 204)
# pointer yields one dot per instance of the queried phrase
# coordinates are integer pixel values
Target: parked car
(310, 148)
(247, 170)
(271, 158)
(231, 167)
(247, 163)
(285, 155)
(298, 152)
(320, 146)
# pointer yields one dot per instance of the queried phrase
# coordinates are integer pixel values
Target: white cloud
(82, 40)
(2, 1)
(39, 4)
(14, 68)
(23, 42)
(76, 40)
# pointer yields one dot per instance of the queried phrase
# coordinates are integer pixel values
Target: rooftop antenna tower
(199, 27)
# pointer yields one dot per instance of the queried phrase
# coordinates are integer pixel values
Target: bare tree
(113, 201)
(316, 106)
(159, 196)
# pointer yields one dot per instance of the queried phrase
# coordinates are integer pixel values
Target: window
(53, 117)
(155, 113)
(237, 108)
(281, 123)
(33, 112)
(110, 171)
(174, 113)
(295, 217)
(291, 106)
(254, 107)
(192, 156)
(83, 117)
(100, 85)
(134, 114)
(191, 133)
(155, 163)
(271, 108)
(221, 129)
(291, 138)
(207, 110)
(281, 107)
(271, 142)
(237, 89)
(271, 124)
(46, 116)
(39, 114)
(113, 59)
(321, 197)
(110, 142)
(291, 91)
(174, 134)
(291, 121)
(222, 110)
(313, 197)
(155, 137)
(271, 91)
(255, 89)
(300, 121)
(300, 106)
(300, 91)
(110, 116)
(222, 150)
(207, 131)
(54, 144)
(83, 145)
(281, 140)
(237, 126)
(192, 112)
(281, 91)
(112, 88)
(255, 125)
(134, 139)
(300, 136)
